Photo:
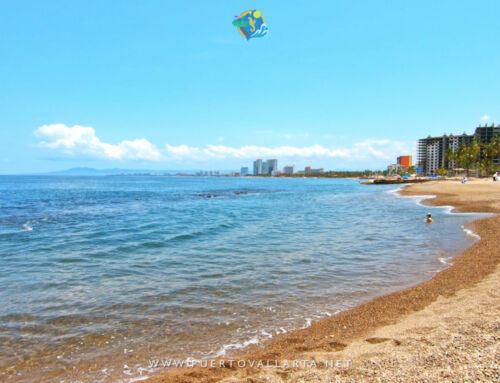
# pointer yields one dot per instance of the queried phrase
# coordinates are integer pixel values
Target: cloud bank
(364, 149)
(82, 141)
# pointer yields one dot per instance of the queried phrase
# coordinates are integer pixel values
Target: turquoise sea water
(100, 274)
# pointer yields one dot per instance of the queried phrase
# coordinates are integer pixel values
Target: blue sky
(173, 85)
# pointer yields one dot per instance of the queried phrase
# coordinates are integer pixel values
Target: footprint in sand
(336, 346)
(376, 340)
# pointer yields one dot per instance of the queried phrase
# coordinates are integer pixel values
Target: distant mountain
(110, 172)
(117, 171)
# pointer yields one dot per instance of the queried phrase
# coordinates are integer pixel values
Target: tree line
(476, 155)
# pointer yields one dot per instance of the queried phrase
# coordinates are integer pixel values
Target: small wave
(194, 234)
(265, 333)
(174, 239)
(236, 346)
(71, 260)
(137, 379)
(153, 245)
(420, 198)
(308, 323)
(27, 227)
(397, 190)
(446, 260)
(417, 198)
(446, 208)
(470, 233)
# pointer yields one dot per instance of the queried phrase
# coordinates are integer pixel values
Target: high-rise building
(405, 161)
(289, 169)
(265, 168)
(257, 167)
(485, 134)
(431, 151)
(244, 172)
(272, 165)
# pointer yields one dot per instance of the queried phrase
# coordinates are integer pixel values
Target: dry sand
(446, 329)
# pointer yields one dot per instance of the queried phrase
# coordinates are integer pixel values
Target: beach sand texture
(446, 329)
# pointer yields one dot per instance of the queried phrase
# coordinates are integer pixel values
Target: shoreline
(330, 336)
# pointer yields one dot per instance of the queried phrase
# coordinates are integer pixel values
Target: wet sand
(444, 329)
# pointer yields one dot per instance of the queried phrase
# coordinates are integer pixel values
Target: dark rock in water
(400, 181)
(215, 195)
(207, 195)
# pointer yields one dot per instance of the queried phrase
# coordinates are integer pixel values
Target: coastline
(350, 332)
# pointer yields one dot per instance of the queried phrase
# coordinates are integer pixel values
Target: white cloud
(485, 118)
(82, 140)
(380, 149)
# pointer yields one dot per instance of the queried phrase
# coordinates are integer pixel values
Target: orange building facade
(405, 161)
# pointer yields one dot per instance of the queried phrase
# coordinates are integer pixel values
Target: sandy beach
(445, 329)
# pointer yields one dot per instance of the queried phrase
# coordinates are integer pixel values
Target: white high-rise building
(272, 165)
(257, 167)
(265, 168)
(431, 151)
(432, 159)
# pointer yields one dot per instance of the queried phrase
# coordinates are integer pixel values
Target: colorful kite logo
(251, 24)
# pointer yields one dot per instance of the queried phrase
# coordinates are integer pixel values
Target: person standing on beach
(429, 218)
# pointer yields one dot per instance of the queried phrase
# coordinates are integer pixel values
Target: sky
(173, 85)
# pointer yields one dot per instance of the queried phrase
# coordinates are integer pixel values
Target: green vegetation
(400, 172)
(477, 155)
(443, 172)
(489, 153)
(335, 174)
(466, 156)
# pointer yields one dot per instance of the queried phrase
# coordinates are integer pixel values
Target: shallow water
(100, 274)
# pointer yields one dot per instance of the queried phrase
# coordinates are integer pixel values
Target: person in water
(429, 218)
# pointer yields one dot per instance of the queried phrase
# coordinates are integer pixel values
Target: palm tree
(450, 155)
(489, 153)
(466, 156)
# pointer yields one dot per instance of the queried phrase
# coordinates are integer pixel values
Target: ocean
(99, 275)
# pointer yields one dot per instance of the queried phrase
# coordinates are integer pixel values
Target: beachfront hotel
(405, 161)
(309, 170)
(431, 151)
